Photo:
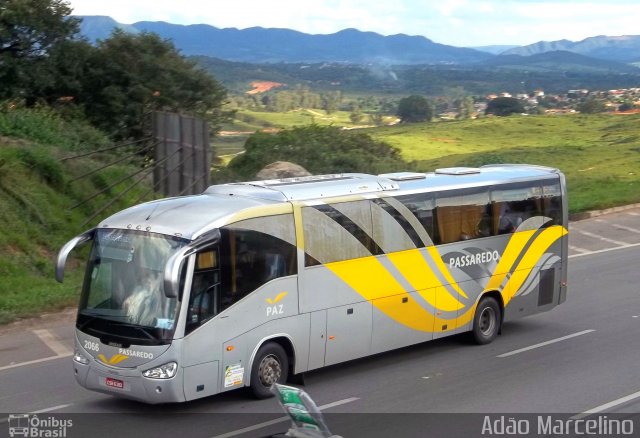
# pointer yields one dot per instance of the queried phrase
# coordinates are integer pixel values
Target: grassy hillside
(36, 193)
(600, 154)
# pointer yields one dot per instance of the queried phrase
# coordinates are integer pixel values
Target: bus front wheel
(486, 322)
(270, 366)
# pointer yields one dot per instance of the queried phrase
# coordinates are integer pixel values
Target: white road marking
(599, 251)
(338, 403)
(53, 408)
(41, 411)
(31, 362)
(631, 213)
(580, 250)
(606, 406)
(281, 419)
(604, 239)
(50, 341)
(620, 227)
(542, 344)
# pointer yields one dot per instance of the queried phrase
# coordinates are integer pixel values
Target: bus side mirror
(67, 248)
(172, 272)
(172, 268)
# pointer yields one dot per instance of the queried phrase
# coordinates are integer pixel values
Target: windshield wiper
(102, 325)
(144, 329)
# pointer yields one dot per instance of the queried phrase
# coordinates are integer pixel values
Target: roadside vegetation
(37, 190)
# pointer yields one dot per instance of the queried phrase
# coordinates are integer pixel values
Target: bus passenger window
(517, 207)
(464, 216)
(552, 203)
(422, 206)
(337, 232)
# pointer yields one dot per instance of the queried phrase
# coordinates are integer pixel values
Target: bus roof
(190, 216)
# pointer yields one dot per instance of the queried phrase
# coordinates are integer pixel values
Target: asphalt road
(582, 357)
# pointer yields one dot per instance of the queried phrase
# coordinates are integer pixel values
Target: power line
(105, 149)
(124, 179)
(114, 162)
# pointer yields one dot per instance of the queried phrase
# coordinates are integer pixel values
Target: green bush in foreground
(320, 150)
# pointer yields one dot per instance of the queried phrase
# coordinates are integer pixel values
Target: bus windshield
(123, 292)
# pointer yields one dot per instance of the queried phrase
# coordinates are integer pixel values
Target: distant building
(577, 93)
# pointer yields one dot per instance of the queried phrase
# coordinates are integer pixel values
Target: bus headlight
(165, 371)
(80, 358)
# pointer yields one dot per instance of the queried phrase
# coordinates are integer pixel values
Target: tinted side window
(517, 207)
(464, 215)
(422, 205)
(340, 231)
(552, 202)
(393, 229)
(250, 259)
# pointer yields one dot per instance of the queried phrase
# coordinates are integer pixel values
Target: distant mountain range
(260, 45)
(557, 61)
(599, 54)
(624, 48)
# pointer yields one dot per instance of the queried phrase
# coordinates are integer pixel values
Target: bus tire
(270, 366)
(486, 321)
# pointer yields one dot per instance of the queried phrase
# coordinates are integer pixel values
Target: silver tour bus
(254, 283)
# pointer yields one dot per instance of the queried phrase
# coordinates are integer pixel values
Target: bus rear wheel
(486, 322)
(270, 366)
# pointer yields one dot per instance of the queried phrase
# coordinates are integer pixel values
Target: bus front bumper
(129, 383)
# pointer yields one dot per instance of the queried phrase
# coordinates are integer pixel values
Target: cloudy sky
(454, 22)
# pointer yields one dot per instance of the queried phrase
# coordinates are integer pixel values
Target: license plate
(114, 383)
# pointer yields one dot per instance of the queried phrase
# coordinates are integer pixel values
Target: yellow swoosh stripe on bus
(368, 277)
(508, 258)
(535, 251)
(416, 270)
(114, 360)
(372, 281)
(435, 255)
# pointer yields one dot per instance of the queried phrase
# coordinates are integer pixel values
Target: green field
(600, 154)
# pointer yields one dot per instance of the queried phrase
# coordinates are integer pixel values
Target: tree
(464, 105)
(504, 106)
(129, 76)
(415, 109)
(627, 105)
(29, 30)
(591, 106)
(319, 149)
(331, 101)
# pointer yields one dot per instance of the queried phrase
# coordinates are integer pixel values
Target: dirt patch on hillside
(263, 86)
